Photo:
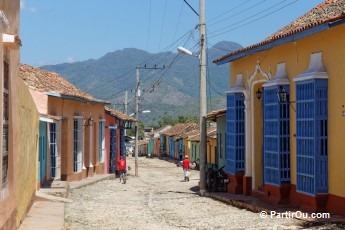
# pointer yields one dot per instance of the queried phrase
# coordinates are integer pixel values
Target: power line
(228, 11)
(254, 20)
(125, 75)
(148, 28)
(160, 40)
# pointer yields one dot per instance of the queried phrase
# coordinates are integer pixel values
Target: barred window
(5, 126)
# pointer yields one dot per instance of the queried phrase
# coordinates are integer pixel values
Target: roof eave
(59, 95)
(279, 41)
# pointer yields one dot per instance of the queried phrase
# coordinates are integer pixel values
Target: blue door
(112, 157)
(42, 152)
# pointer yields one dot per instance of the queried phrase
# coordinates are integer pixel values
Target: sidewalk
(257, 205)
(48, 209)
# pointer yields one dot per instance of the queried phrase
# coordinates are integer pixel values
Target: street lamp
(203, 105)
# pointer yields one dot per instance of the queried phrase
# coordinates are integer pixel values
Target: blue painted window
(112, 161)
(53, 149)
(276, 137)
(162, 144)
(235, 133)
(312, 136)
(122, 142)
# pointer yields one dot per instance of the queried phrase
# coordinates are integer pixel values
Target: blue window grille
(162, 144)
(235, 133)
(112, 161)
(276, 137)
(122, 142)
(172, 147)
(53, 154)
(312, 136)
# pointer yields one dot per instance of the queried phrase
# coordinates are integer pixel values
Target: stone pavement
(48, 210)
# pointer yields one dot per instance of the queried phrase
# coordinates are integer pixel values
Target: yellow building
(285, 114)
(19, 126)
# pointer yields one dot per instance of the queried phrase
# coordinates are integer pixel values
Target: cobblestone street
(158, 199)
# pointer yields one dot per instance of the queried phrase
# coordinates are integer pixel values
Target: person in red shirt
(121, 166)
(185, 165)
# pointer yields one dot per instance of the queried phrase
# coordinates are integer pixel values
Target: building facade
(285, 113)
(18, 126)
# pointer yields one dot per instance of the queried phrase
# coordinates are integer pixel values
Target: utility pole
(125, 107)
(137, 97)
(203, 105)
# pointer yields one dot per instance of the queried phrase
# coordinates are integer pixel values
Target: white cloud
(30, 9)
(22, 4)
(33, 10)
(70, 60)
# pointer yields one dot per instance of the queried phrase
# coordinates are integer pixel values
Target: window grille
(55, 150)
(101, 143)
(112, 161)
(235, 133)
(276, 137)
(312, 136)
(5, 126)
(122, 142)
(77, 147)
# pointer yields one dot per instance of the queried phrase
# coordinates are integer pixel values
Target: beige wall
(23, 130)
(296, 55)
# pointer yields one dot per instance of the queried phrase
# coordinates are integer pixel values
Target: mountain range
(169, 82)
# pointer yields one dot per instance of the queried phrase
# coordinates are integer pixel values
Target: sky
(66, 31)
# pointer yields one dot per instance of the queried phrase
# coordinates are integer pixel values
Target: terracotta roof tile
(159, 130)
(180, 128)
(46, 81)
(217, 113)
(211, 132)
(328, 11)
(118, 114)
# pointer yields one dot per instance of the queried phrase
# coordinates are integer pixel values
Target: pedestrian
(180, 155)
(121, 165)
(185, 165)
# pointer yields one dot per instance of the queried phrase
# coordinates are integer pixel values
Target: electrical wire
(125, 75)
(160, 40)
(254, 20)
(148, 28)
(231, 16)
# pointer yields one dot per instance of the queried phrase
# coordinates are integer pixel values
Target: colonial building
(285, 113)
(74, 122)
(18, 125)
(115, 146)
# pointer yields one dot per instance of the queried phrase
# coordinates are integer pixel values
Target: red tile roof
(159, 130)
(180, 128)
(211, 132)
(118, 114)
(45, 81)
(328, 11)
(214, 114)
(188, 133)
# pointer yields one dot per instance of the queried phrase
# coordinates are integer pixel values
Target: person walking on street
(185, 165)
(121, 165)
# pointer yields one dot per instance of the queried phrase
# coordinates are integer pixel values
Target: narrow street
(158, 199)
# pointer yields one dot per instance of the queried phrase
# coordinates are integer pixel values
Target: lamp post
(203, 105)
